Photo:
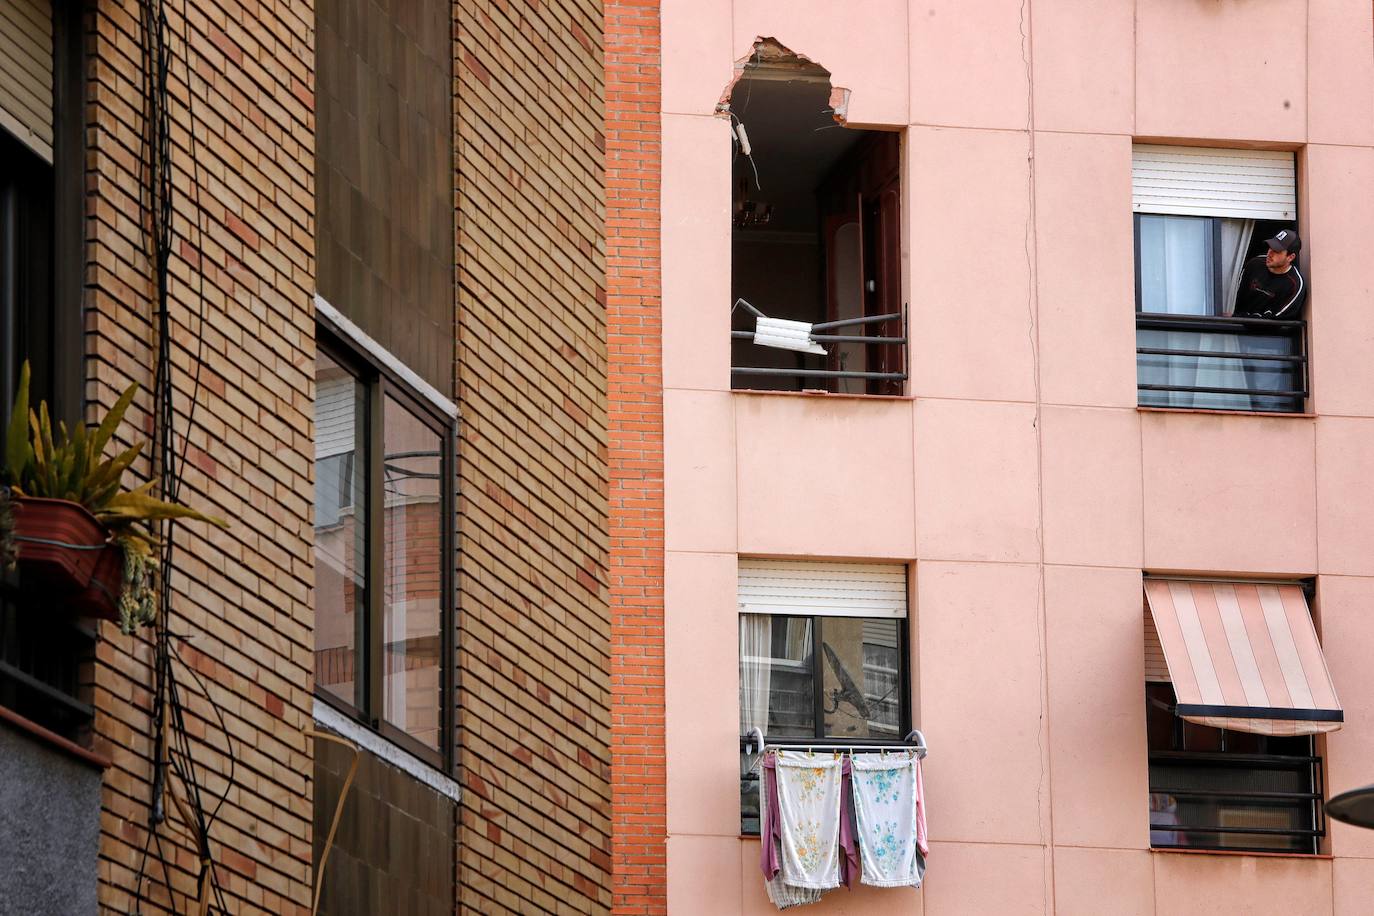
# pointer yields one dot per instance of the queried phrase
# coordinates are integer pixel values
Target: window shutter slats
(334, 409)
(807, 588)
(1196, 181)
(26, 75)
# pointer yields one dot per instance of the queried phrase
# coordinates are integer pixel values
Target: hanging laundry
(809, 812)
(782, 895)
(889, 803)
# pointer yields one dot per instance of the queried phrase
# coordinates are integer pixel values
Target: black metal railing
(1221, 363)
(1249, 802)
(884, 343)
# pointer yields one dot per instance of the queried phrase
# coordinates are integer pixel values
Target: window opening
(823, 658)
(1201, 218)
(1219, 788)
(383, 549)
(815, 236)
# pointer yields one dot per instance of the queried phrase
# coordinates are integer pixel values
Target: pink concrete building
(952, 522)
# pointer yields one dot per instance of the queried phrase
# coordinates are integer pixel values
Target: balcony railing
(880, 349)
(45, 664)
(1220, 363)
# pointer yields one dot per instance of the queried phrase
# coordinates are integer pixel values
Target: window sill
(382, 747)
(54, 740)
(1237, 852)
(818, 393)
(1233, 413)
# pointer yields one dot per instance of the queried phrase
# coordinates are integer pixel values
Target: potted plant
(67, 522)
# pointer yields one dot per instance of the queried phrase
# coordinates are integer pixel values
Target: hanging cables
(172, 743)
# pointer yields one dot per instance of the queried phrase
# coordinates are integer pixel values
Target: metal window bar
(1295, 332)
(829, 338)
(1314, 828)
(44, 659)
(755, 743)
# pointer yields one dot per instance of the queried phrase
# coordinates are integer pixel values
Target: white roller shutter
(334, 409)
(1197, 181)
(808, 588)
(26, 72)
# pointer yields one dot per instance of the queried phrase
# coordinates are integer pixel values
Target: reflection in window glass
(776, 687)
(413, 583)
(860, 681)
(340, 529)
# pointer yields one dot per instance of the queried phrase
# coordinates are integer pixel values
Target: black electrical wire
(169, 713)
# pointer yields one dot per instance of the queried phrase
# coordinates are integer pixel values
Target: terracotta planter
(63, 550)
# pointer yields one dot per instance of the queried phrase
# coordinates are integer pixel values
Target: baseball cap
(1285, 240)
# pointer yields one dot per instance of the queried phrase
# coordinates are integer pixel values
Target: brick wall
(534, 724)
(243, 596)
(636, 430)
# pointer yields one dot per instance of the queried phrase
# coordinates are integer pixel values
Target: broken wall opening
(815, 235)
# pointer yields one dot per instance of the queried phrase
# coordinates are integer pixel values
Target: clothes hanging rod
(755, 740)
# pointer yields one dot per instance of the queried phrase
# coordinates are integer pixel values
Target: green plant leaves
(18, 453)
(140, 506)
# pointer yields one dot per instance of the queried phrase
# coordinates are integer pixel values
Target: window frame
(1313, 759)
(1213, 233)
(381, 381)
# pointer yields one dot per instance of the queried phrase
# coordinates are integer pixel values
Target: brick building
(945, 396)
(385, 276)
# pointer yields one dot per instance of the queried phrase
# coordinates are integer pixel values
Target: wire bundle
(172, 743)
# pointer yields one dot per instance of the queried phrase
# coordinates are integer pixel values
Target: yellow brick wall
(534, 623)
(244, 152)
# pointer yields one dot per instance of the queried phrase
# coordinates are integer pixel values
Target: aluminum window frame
(383, 378)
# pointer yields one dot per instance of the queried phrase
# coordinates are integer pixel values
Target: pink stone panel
(704, 875)
(1225, 70)
(978, 879)
(981, 695)
(971, 303)
(1091, 474)
(1345, 496)
(698, 54)
(1340, 72)
(1085, 269)
(701, 693)
(1343, 609)
(1353, 881)
(864, 47)
(968, 63)
(860, 900)
(976, 481)
(1229, 494)
(1336, 242)
(1096, 674)
(1210, 885)
(1090, 882)
(825, 476)
(1084, 65)
(696, 252)
(699, 470)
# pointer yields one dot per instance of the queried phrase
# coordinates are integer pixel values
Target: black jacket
(1269, 295)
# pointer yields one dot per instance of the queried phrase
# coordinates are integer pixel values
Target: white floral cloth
(809, 808)
(782, 894)
(889, 808)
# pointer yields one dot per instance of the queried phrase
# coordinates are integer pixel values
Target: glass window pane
(776, 685)
(413, 567)
(340, 528)
(861, 679)
(1177, 265)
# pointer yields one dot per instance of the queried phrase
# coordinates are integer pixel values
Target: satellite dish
(848, 691)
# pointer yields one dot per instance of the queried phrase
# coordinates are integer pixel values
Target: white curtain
(1177, 264)
(755, 670)
(1235, 241)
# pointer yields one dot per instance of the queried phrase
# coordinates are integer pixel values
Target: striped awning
(1244, 657)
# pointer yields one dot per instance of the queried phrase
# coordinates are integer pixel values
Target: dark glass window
(1219, 789)
(384, 551)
